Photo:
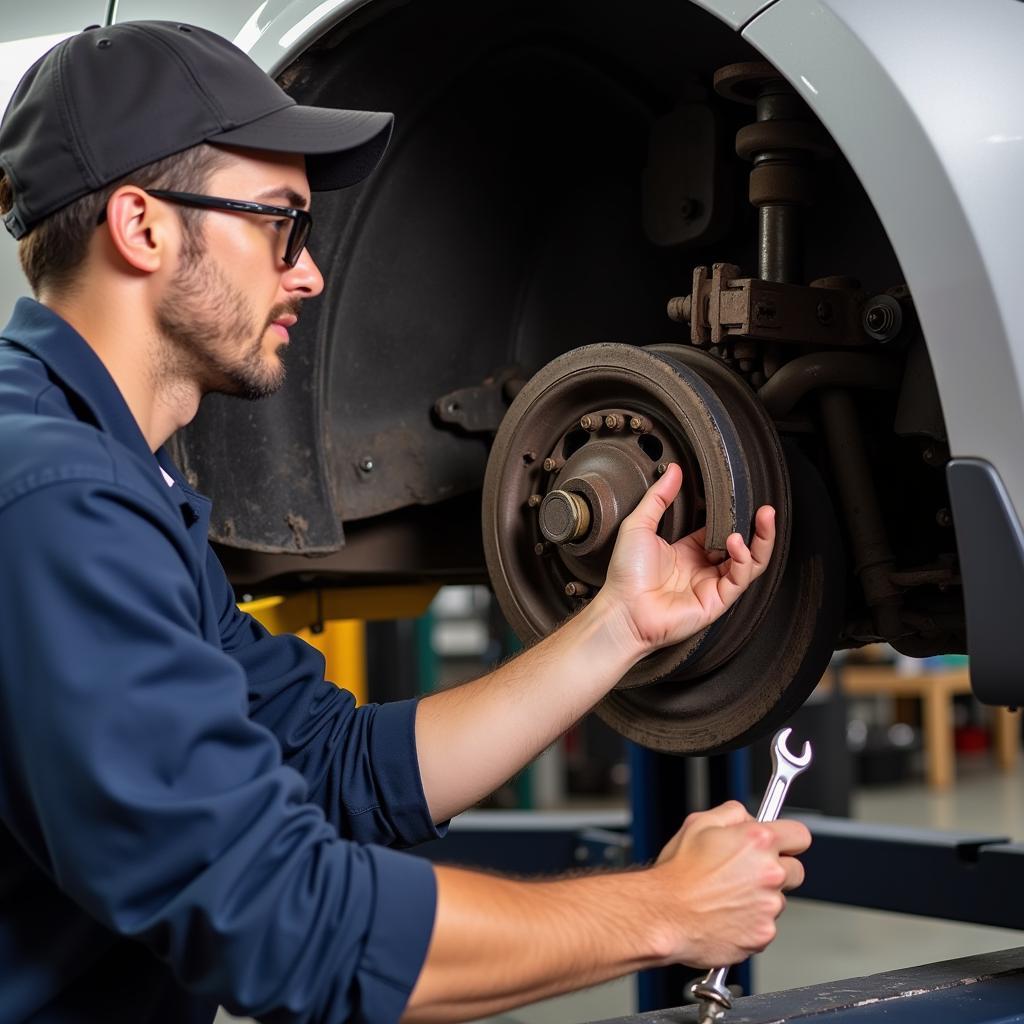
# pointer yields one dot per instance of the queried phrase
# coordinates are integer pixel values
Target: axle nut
(564, 516)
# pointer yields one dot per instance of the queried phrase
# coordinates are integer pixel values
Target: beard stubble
(213, 336)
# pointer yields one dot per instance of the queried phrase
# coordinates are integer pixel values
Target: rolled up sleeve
(360, 764)
(132, 774)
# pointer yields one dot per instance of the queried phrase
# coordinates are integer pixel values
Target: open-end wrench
(711, 990)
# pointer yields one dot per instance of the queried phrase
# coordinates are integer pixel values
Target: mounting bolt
(550, 465)
(541, 547)
(590, 423)
(883, 318)
(639, 425)
(534, 500)
(613, 421)
(680, 309)
(932, 456)
(366, 464)
(576, 589)
(944, 517)
(824, 312)
(662, 468)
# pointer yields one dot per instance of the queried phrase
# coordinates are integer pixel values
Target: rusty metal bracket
(480, 409)
(726, 305)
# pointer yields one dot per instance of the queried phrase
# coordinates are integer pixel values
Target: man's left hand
(668, 592)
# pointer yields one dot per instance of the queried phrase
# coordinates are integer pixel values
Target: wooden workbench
(935, 690)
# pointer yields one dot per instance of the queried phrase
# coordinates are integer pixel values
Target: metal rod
(778, 243)
(872, 555)
(808, 373)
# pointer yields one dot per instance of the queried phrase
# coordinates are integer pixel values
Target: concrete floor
(818, 942)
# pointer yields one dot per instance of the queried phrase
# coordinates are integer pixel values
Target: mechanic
(190, 814)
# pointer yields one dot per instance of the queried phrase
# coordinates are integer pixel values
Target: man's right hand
(723, 875)
(711, 899)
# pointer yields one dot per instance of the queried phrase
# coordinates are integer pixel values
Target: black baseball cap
(107, 101)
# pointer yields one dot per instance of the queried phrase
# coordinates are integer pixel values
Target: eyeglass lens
(297, 238)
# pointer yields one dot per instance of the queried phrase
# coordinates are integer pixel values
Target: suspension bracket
(725, 305)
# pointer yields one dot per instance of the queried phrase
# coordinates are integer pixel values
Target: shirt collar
(69, 357)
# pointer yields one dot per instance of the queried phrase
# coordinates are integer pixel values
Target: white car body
(922, 98)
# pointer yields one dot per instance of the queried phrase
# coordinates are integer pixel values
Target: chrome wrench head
(786, 767)
(712, 995)
(781, 753)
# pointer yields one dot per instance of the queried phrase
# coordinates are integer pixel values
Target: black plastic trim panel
(991, 546)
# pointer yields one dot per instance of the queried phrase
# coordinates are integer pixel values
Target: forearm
(712, 897)
(499, 943)
(472, 738)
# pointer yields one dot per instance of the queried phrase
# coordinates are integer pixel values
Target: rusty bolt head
(550, 465)
(639, 425)
(541, 547)
(662, 468)
(576, 589)
(679, 309)
(613, 421)
(590, 422)
(534, 500)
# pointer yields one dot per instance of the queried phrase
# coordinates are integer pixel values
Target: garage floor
(818, 942)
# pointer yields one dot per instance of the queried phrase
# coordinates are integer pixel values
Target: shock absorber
(781, 146)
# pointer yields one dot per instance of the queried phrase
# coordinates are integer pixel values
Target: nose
(304, 278)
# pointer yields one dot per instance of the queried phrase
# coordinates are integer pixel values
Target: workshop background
(898, 741)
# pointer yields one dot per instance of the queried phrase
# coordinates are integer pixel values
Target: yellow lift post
(334, 622)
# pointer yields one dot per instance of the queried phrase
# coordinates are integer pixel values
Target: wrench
(711, 991)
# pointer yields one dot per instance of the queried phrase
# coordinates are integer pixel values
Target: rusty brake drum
(577, 449)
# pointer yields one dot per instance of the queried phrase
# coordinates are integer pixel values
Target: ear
(140, 228)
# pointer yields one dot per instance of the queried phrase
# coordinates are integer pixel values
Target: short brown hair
(52, 252)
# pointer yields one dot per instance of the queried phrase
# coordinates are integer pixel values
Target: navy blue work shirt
(185, 803)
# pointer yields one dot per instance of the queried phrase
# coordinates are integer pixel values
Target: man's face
(227, 308)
